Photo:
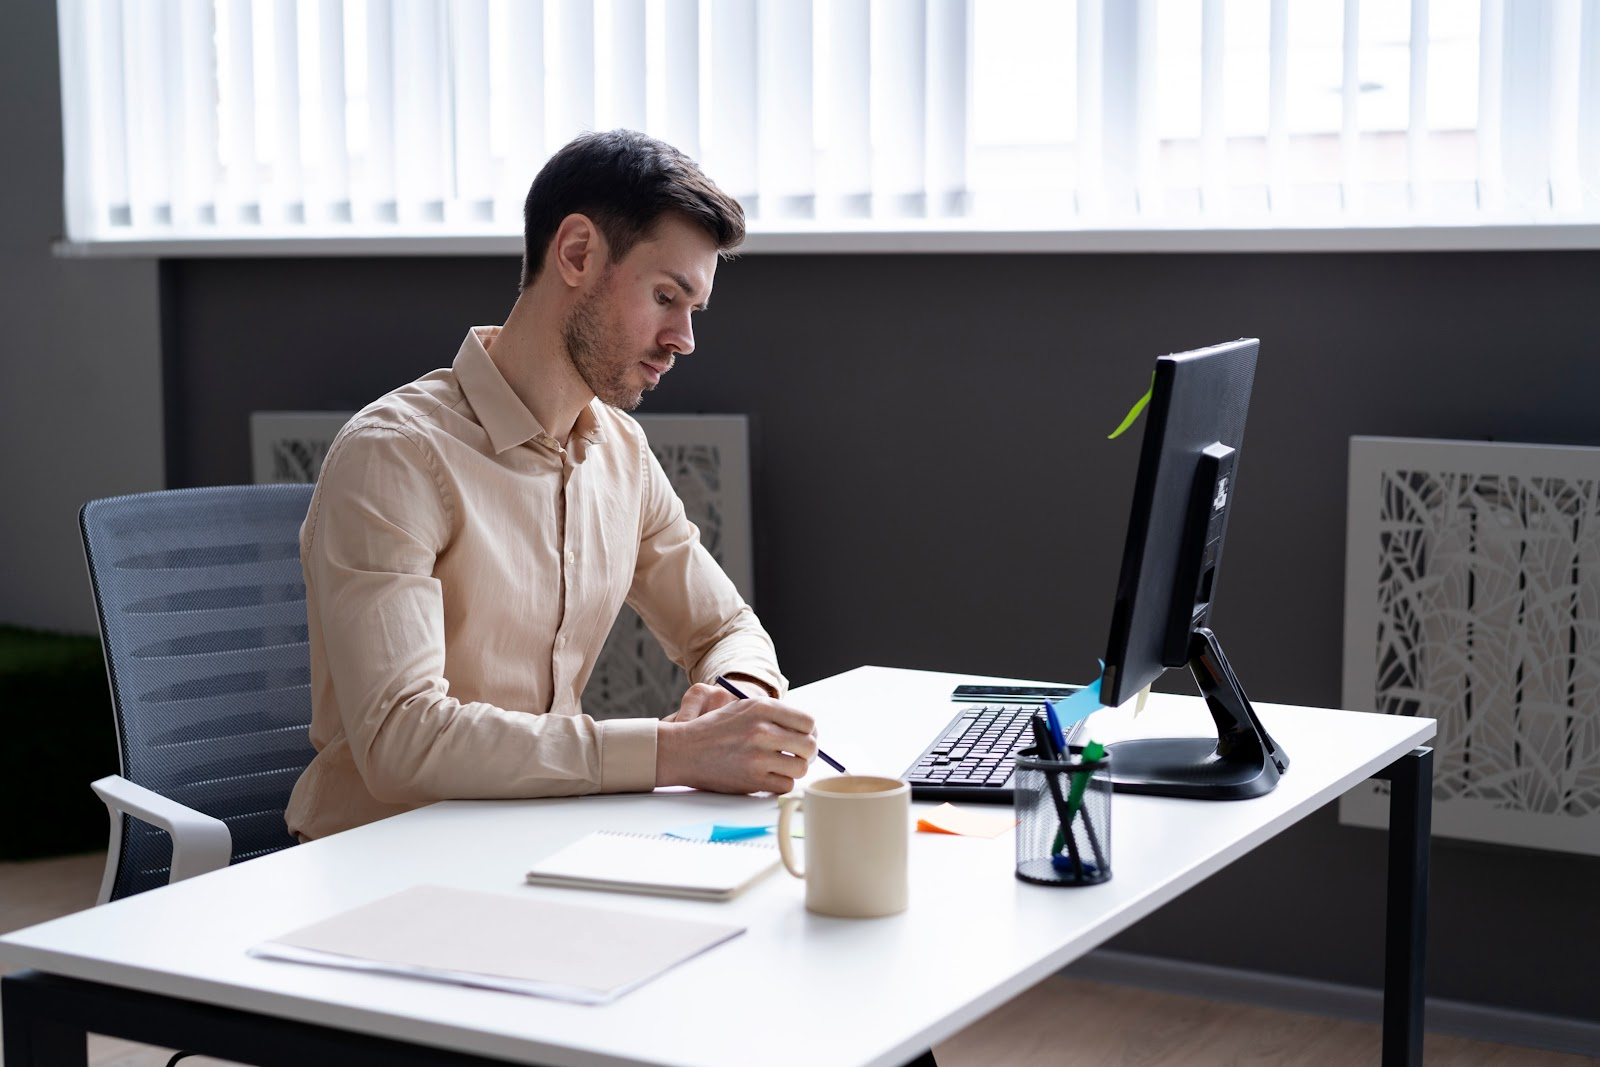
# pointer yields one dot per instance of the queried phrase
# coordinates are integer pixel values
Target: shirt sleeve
(685, 597)
(381, 518)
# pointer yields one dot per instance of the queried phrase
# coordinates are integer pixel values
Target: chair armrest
(200, 843)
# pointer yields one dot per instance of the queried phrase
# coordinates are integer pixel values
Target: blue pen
(1055, 729)
(823, 756)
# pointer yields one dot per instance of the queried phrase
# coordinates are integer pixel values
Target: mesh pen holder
(1050, 794)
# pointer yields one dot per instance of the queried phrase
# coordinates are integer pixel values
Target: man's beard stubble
(599, 362)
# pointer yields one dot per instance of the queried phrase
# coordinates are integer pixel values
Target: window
(207, 120)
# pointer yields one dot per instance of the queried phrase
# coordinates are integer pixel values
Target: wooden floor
(1110, 1026)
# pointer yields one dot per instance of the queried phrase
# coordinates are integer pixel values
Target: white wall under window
(416, 125)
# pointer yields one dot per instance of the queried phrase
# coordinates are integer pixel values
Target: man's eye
(663, 298)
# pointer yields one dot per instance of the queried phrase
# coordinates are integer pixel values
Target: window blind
(194, 119)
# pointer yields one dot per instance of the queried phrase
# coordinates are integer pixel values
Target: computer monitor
(1182, 496)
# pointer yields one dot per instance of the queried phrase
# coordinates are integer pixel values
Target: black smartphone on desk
(1010, 694)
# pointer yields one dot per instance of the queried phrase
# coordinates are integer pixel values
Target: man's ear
(579, 250)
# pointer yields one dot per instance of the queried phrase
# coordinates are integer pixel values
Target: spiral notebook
(647, 863)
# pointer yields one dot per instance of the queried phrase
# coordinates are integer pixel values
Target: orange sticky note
(949, 819)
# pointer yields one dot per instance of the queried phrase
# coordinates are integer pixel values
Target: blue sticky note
(1080, 705)
(707, 831)
(737, 833)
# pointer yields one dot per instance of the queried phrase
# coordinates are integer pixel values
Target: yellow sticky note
(949, 819)
(1144, 694)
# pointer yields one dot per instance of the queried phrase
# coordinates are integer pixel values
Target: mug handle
(787, 806)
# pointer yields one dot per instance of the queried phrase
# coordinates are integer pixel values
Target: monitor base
(1243, 760)
(1186, 767)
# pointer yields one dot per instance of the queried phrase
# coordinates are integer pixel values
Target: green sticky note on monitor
(1134, 412)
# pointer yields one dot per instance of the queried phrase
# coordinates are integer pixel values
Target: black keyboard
(972, 758)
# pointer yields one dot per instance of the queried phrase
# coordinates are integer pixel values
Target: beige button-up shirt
(462, 572)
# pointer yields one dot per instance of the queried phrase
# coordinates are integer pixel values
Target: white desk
(795, 989)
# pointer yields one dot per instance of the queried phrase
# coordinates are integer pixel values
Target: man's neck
(531, 356)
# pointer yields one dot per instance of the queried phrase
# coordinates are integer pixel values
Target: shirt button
(561, 642)
(572, 557)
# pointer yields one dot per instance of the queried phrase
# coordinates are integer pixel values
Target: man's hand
(700, 699)
(736, 746)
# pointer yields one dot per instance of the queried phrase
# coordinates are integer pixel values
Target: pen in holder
(1063, 818)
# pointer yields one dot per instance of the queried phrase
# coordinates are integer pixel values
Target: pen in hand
(823, 756)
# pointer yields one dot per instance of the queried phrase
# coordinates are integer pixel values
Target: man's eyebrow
(688, 288)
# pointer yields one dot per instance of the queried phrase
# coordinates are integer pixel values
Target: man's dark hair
(624, 182)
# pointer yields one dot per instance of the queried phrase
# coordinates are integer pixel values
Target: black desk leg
(924, 1060)
(48, 1017)
(32, 1037)
(1406, 927)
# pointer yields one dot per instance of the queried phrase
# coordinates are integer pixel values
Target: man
(473, 534)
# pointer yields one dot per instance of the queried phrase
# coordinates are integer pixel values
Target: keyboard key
(975, 753)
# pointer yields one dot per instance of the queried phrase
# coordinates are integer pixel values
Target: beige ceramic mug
(857, 835)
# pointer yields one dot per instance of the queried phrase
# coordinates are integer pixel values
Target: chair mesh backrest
(202, 609)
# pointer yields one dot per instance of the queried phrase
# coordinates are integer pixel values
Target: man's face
(627, 331)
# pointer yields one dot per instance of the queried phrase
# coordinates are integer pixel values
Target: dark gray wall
(935, 489)
(80, 359)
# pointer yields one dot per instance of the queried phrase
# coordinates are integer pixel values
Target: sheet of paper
(949, 819)
(518, 944)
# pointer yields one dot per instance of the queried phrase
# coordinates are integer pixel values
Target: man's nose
(679, 337)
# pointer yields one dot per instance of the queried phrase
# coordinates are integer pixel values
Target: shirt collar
(505, 418)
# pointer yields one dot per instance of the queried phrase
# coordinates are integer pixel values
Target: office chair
(202, 611)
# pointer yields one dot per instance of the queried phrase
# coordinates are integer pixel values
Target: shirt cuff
(627, 755)
(733, 662)
(752, 680)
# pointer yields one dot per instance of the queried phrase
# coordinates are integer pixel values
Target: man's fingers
(699, 699)
(787, 770)
(803, 746)
(777, 739)
(791, 766)
(790, 718)
(755, 744)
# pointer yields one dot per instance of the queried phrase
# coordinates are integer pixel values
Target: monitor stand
(1242, 762)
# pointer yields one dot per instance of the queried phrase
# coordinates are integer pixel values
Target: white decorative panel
(1472, 596)
(289, 446)
(707, 459)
